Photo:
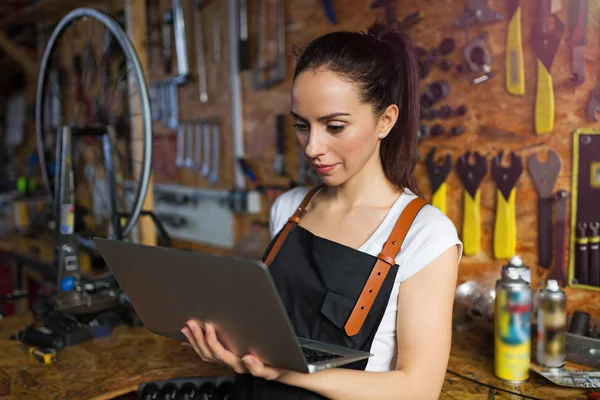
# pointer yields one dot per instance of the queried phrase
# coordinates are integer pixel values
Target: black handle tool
(594, 250)
(582, 273)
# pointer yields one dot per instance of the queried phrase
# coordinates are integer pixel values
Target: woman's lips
(324, 168)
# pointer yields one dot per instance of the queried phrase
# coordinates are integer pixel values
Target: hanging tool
(167, 52)
(216, 30)
(390, 11)
(437, 176)
(544, 177)
(206, 149)
(593, 104)
(198, 145)
(582, 265)
(477, 12)
(578, 16)
(183, 68)
(560, 238)
(188, 162)
(594, 250)
(43, 355)
(505, 233)
(279, 164)
(269, 73)
(180, 146)
(328, 7)
(545, 45)
(471, 176)
(200, 61)
(216, 150)
(515, 72)
(245, 63)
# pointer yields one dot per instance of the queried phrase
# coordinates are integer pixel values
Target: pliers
(437, 176)
(471, 176)
(505, 231)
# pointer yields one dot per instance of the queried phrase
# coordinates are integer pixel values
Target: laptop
(167, 286)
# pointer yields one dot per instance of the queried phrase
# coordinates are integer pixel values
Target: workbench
(109, 367)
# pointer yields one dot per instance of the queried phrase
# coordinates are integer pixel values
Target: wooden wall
(491, 110)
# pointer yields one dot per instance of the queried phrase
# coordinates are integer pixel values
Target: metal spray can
(551, 326)
(512, 327)
(522, 269)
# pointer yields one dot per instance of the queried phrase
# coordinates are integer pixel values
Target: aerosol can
(551, 326)
(512, 327)
(522, 269)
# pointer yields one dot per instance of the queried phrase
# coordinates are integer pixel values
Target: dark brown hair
(383, 65)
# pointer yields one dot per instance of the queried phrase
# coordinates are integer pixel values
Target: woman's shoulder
(284, 206)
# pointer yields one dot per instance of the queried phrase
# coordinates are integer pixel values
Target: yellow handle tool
(505, 230)
(471, 229)
(515, 72)
(439, 198)
(544, 101)
(437, 176)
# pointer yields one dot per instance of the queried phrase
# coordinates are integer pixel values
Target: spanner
(198, 144)
(189, 145)
(560, 238)
(180, 146)
(214, 173)
(544, 177)
(437, 176)
(201, 64)
(173, 104)
(206, 150)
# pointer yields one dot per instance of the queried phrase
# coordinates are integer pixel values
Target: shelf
(43, 10)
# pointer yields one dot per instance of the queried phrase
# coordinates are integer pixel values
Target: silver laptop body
(168, 286)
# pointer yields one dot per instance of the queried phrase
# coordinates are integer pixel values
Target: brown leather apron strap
(292, 221)
(385, 260)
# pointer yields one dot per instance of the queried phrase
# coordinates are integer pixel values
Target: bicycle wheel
(103, 91)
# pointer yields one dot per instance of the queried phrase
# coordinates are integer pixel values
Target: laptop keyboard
(313, 355)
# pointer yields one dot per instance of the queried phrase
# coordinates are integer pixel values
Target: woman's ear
(386, 121)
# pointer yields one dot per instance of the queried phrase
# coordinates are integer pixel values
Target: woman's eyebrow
(323, 118)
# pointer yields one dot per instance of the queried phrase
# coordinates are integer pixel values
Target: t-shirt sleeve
(283, 207)
(431, 234)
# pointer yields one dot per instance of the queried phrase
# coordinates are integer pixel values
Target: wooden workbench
(115, 365)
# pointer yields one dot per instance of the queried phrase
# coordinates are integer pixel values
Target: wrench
(180, 40)
(216, 32)
(437, 176)
(173, 104)
(200, 52)
(594, 249)
(198, 144)
(189, 148)
(544, 177)
(206, 150)
(180, 146)
(560, 238)
(214, 174)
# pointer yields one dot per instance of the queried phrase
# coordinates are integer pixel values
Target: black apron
(319, 282)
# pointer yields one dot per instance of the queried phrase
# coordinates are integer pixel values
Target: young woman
(364, 239)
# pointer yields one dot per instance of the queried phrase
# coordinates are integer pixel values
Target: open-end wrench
(437, 177)
(560, 238)
(189, 145)
(471, 176)
(544, 177)
(582, 262)
(216, 31)
(206, 149)
(183, 68)
(505, 231)
(578, 18)
(165, 104)
(198, 144)
(214, 173)
(594, 250)
(173, 104)
(201, 64)
(593, 104)
(180, 146)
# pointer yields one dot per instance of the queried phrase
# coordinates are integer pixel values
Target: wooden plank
(44, 10)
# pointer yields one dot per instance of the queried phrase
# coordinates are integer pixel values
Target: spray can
(512, 328)
(551, 326)
(522, 269)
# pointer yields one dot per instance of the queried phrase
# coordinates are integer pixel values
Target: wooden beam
(17, 53)
(135, 22)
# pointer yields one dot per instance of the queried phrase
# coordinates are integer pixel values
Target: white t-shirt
(430, 235)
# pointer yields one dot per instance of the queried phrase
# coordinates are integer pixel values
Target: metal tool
(437, 176)
(593, 104)
(180, 146)
(471, 176)
(173, 104)
(594, 250)
(477, 55)
(206, 149)
(582, 265)
(269, 73)
(545, 45)
(183, 68)
(505, 233)
(244, 42)
(279, 164)
(329, 11)
(544, 176)
(200, 61)
(167, 52)
(214, 173)
(578, 17)
(189, 145)
(216, 31)
(560, 238)
(390, 11)
(515, 71)
(477, 12)
(198, 144)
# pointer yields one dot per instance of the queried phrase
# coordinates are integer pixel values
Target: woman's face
(339, 134)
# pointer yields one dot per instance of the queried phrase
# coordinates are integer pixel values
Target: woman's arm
(424, 331)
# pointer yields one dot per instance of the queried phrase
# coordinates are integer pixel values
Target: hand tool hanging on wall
(515, 72)
(545, 45)
(582, 264)
(593, 104)
(477, 12)
(245, 63)
(269, 73)
(216, 150)
(167, 52)
(180, 146)
(328, 7)
(206, 149)
(471, 176)
(183, 69)
(578, 18)
(279, 164)
(200, 61)
(505, 232)
(560, 238)
(544, 177)
(216, 30)
(390, 15)
(437, 177)
(198, 145)
(594, 251)
(189, 145)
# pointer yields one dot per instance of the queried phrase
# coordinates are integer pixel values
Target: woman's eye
(301, 127)
(335, 128)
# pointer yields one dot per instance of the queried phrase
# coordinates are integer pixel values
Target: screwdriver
(515, 73)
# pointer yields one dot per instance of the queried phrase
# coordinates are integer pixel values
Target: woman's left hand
(203, 339)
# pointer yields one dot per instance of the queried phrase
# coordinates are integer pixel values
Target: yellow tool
(471, 176)
(505, 231)
(515, 72)
(545, 44)
(44, 356)
(437, 176)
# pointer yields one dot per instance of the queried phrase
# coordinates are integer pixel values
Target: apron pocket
(336, 310)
